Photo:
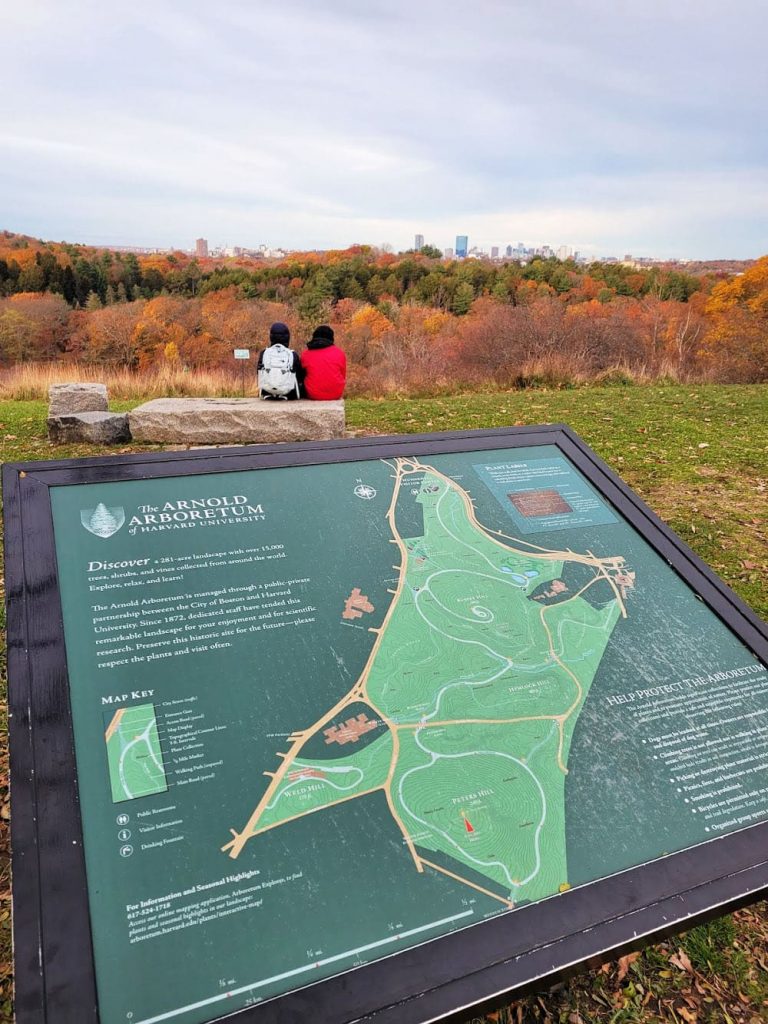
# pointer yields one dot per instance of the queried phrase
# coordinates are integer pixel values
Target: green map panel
(479, 685)
(349, 707)
(134, 756)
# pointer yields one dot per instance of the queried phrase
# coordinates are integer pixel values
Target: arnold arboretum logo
(102, 521)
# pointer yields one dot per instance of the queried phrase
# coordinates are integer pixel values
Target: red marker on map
(467, 823)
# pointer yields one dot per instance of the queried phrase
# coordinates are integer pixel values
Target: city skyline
(621, 130)
(202, 249)
(519, 252)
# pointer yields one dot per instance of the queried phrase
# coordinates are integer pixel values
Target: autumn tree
(736, 345)
(112, 335)
(373, 320)
(42, 323)
(17, 336)
(687, 328)
(164, 319)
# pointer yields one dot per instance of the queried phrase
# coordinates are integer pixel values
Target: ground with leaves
(699, 457)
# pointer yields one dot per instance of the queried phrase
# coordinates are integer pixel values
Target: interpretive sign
(380, 728)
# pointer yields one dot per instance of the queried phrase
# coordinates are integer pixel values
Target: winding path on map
(475, 682)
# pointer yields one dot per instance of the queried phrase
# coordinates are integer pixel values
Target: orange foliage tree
(33, 326)
(112, 335)
(369, 318)
(736, 345)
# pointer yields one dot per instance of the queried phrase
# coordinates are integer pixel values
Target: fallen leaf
(624, 964)
(680, 959)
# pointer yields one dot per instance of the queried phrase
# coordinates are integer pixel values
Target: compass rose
(365, 491)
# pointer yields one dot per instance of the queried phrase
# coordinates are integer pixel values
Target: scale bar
(302, 970)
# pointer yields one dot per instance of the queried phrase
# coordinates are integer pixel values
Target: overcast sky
(606, 125)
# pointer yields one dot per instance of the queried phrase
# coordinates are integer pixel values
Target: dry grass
(30, 381)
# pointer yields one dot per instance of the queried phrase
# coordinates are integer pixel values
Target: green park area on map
(465, 710)
(134, 756)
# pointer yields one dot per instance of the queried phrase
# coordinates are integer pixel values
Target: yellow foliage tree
(372, 319)
(435, 322)
(736, 344)
(171, 353)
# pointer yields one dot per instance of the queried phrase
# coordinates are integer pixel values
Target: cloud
(318, 125)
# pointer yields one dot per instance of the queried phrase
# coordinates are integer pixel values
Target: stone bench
(74, 396)
(89, 428)
(235, 421)
(78, 413)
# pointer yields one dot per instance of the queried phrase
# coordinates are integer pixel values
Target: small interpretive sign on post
(243, 355)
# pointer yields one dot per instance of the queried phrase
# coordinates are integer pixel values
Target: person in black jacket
(289, 380)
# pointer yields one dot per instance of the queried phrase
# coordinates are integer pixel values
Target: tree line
(311, 281)
(408, 322)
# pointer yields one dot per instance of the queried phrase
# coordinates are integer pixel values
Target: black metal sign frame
(447, 978)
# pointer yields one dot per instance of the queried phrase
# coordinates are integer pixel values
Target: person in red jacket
(325, 367)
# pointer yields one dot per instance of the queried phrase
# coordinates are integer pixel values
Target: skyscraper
(494, 252)
(201, 248)
(462, 245)
(418, 242)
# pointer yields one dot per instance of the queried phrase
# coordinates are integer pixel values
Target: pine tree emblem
(102, 521)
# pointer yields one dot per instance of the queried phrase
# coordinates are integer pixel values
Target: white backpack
(276, 377)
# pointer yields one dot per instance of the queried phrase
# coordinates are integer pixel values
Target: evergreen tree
(462, 299)
(102, 522)
(32, 279)
(392, 286)
(131, 273)
(68, 285)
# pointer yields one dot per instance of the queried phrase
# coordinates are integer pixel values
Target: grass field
(699, 458)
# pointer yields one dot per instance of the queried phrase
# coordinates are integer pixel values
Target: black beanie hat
(323, 333)
(279, 334)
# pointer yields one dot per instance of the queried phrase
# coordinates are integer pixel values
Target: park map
(134, 756)
(464, 711)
